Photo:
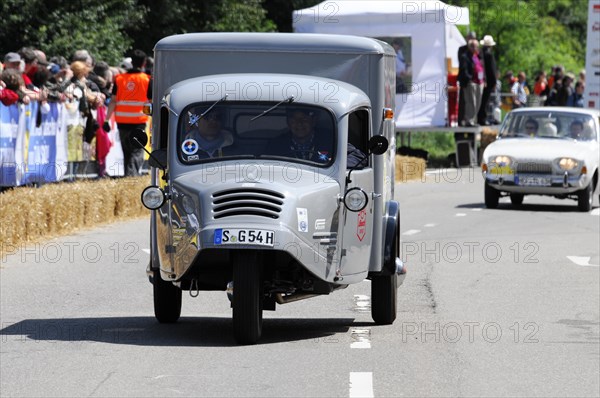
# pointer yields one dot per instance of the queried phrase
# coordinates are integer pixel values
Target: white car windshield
(549, 124)
(288, 131)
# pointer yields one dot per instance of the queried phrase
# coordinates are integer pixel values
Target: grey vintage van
(273, 172)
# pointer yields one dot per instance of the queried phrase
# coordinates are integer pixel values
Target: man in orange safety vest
(128, 97)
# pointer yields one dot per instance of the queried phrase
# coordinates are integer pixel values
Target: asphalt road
(498, 302)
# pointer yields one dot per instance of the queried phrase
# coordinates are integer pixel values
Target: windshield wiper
(212, 106)
(289, 100)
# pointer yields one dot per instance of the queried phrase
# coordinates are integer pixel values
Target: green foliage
(242, 16)
(532, 35)
(61, 27)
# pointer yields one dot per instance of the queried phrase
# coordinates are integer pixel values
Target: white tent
(434, 37)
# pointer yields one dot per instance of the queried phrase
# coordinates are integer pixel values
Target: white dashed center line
(361, 338)
(429, 225)
(411, 232)
(362, 303)
(361, 384)
(461, 215)
(582, 261)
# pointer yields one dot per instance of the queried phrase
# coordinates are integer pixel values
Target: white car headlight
(502, 160)
(567, 164)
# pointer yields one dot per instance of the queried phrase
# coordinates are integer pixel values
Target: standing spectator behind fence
(518, 91)
(565, 90)
(576, 99)
(461, 98)
(489, 62)
(129, 95)
(471, 77)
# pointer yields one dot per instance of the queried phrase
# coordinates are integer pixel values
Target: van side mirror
(158, 158)
(378, 145)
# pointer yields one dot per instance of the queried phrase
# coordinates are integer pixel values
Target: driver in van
(206, 138)
(302, 142)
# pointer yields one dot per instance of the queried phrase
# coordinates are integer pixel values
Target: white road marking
(361, 384)
(461, 215)
(429, 225)
(411, 232)
(147, 251)
(596, 212)
(361, 338)
(362, 303)
(477, 209)
(583, 261)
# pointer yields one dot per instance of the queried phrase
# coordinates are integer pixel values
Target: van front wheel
(383, 299)
(247, 299)
(167, 300)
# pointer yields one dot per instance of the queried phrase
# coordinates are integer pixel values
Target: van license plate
(244, 236)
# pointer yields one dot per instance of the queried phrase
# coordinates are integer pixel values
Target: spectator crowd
(28, 75)
(480, 95)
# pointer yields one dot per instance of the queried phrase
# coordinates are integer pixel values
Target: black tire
(383, 299)
(384, 290)
(492, 197)
(584, 198)
(516, 199)
(247, 298)
(167, 300)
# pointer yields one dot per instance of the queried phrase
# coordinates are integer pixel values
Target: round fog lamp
(355, 199)
(153, 197)
(188, 205)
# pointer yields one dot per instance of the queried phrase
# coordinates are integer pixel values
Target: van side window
(164, 127)
(358, 129)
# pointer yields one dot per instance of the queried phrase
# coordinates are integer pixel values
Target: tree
(59, 27)
(532, 35)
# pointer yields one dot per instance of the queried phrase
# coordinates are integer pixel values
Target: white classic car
(544, 151)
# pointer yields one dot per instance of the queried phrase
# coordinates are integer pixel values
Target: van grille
(533, 167)
(247, 202)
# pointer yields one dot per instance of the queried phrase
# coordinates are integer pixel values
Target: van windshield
(296, 133)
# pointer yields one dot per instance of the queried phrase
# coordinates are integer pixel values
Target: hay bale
(488, 135)
(409, 168)
(30, 214)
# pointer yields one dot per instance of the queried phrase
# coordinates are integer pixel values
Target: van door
(163, 217)
(357, 227)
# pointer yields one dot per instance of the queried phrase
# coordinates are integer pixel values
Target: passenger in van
(303, 142)
(207, 138)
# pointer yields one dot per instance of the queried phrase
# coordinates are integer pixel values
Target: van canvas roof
(274, 42)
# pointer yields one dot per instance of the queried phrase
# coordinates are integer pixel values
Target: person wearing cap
(12, 60)
(489, 63)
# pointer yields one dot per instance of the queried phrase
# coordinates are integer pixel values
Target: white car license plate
(244, 236)
(535, 181)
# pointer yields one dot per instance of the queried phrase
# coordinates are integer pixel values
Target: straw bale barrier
(409, 168)
(31, 214)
